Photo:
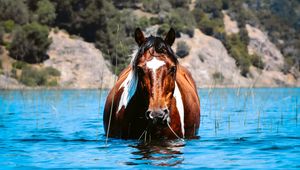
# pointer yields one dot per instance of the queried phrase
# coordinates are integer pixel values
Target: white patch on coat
(129, 85)
(155, 64)
(179, 105)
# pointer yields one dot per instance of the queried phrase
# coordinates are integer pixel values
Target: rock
(7, 82)
(260, 44)
(212, 66)
(209, 57)
(80, 63)
(231, 26)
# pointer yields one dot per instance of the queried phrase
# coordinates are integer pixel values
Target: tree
(30, 43)
(45, 12)
(14, 10)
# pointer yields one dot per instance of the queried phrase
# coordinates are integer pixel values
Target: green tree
(30, 43)
(45, 12)
(15, 10)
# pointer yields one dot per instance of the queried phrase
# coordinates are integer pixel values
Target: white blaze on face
(179, 105)
(129, 85)
(155, 64)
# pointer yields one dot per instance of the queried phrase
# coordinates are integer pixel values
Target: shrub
(52, 83)
(1, 36)
(238, 50)
(30, 43)
(218, 76)
(39, 77)
(257, 61)
(52, 71)
(45, 12)
(19, 65)
(9, 26)
(182, 49)
(15, 10)
(163, 30)
(33, 77)
(182, 24)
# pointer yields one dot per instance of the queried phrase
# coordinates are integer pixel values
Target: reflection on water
(158, 153)
(240, 128)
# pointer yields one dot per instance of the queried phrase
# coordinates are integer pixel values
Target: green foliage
(212, 7)
(52, 71)
(1, 36)
(257, 61)
(155, 6)
(163, 29)
(218, 77)
(180, 3)
(8, 25)
(39, 77)
(33, 77)
(182, 24)
(279, 18)
(15, 10)
(182, 49)
(30, 43)
(238, 50)
(209, 17)
(45, 12)
(19, 65)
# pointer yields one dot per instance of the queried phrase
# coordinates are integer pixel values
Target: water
(240, 128)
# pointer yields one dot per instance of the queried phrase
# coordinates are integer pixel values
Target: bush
(9, 26)
(217, 76)
(52, 71)
(163, 30)
(15, 10)
(19, 65)
(30, 43)
(39, 77)
(33, 77)
(238, 50)
(45, 12)
(182, 49)
(182, 24)
(1, 36)
(257, 61)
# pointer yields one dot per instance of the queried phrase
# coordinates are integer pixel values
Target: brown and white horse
(154, 96)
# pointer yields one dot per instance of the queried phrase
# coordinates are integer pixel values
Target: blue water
(240, 128)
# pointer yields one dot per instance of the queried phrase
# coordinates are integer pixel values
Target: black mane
(159, 46)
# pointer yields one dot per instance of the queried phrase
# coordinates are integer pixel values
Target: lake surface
(240, 128)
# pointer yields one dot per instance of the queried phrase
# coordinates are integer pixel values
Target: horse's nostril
(166, 111)
(148, 114)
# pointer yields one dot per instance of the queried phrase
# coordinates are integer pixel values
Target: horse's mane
(159, 46)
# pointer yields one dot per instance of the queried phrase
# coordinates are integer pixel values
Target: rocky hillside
(221, 49)
(211, 65)
(80, 63)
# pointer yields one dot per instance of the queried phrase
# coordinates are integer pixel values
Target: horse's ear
(139, 36)
(170, 38)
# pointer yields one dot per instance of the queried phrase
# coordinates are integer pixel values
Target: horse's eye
(172, 70)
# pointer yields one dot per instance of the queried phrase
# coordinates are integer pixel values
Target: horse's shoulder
(116, 90)
(184, 77)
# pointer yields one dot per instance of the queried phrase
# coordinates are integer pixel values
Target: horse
(154, 97)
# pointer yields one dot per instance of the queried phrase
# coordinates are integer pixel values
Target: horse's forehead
(155, 63)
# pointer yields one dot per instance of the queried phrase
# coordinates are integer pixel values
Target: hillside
(223, 43)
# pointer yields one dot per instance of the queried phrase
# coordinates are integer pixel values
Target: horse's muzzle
(159, 116)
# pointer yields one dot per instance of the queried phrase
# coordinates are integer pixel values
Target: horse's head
(155, 65)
